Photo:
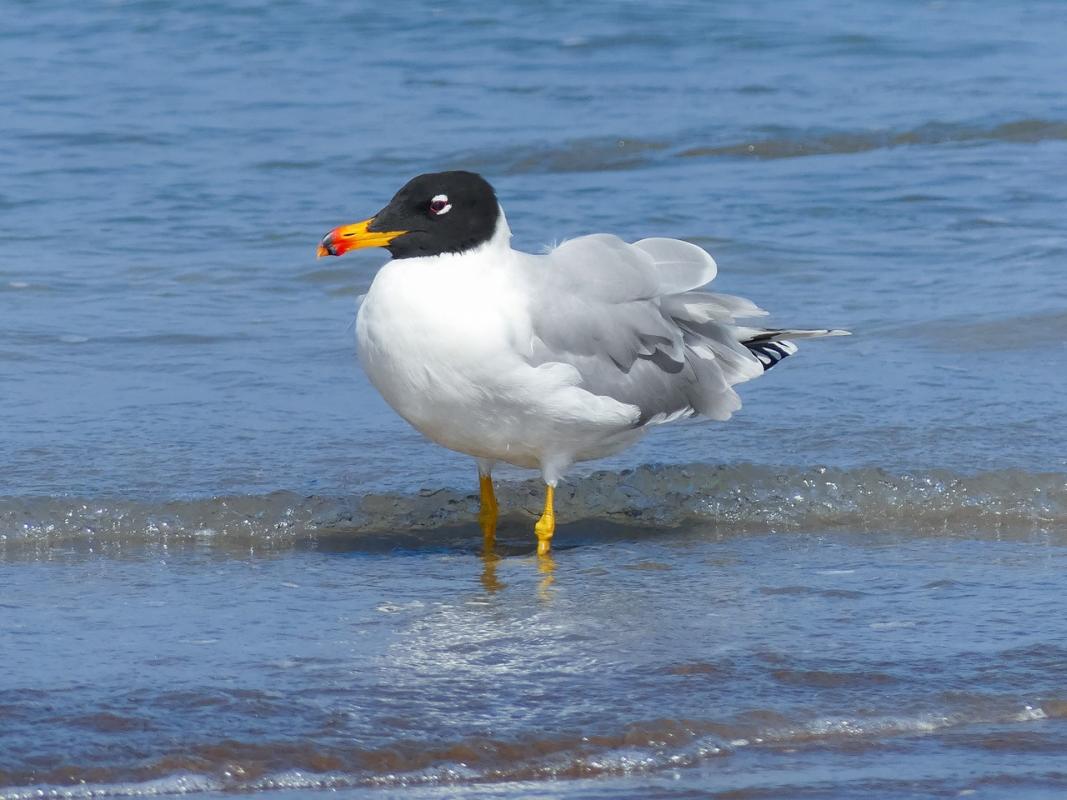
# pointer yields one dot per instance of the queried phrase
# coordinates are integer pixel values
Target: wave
(644, 747)
(624, 153)
(736, 498)
(788, 145)
(966, 333)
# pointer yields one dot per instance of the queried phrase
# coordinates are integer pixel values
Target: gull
(543, 360)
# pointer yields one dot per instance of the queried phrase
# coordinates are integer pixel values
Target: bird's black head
(440, 212)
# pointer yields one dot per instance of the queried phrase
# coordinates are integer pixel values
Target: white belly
(444, 342)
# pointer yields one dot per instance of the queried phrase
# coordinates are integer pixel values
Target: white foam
(171, 785)
(892, 625)
(1029, 714)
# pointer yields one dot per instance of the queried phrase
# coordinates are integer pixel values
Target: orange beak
(352, 237)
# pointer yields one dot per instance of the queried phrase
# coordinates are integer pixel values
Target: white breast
(446, 340)
(440, 337)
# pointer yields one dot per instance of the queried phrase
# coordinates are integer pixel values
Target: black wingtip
(768, 352)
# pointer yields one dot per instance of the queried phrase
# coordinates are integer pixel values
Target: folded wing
(630, 319)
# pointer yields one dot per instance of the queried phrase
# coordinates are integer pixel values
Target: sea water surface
(227, 567)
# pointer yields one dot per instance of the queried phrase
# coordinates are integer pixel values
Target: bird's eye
(440, 205)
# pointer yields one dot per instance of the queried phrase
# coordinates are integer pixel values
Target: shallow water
(226, 566)
(636, 663)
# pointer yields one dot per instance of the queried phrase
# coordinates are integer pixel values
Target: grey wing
(627, 318)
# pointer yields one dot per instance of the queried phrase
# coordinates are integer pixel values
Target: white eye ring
(439, 205)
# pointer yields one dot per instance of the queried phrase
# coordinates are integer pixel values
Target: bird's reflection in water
(490, 560)
(546, 566)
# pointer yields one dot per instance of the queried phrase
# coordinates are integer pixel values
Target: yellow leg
(489, 511)
(546, 525)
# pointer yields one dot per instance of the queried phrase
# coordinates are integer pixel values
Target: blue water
(184, 427)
